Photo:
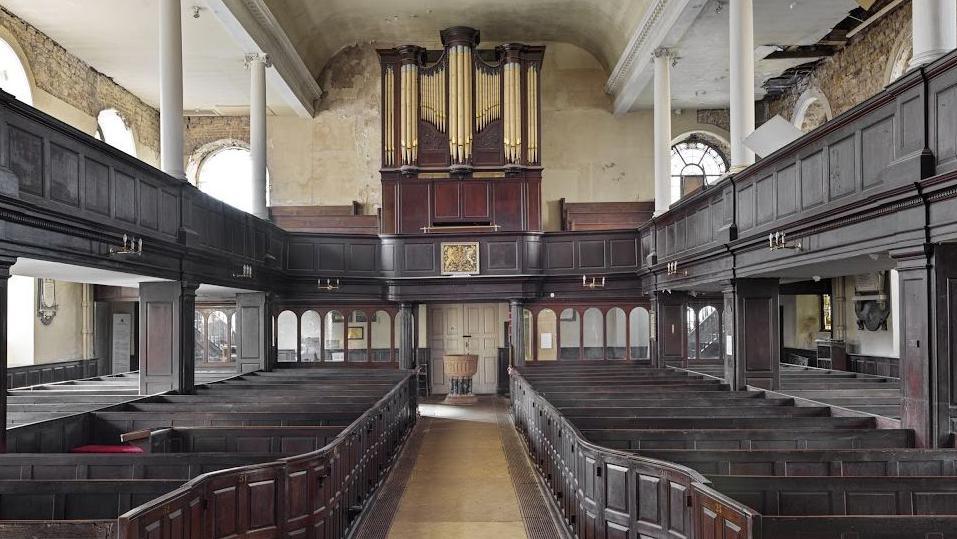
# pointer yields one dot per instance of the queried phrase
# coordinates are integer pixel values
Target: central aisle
(460, 485)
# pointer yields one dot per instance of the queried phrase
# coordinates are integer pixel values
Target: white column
(934, 29)
(257, 64)
(741, 13)
(662, 130)
(171, 88)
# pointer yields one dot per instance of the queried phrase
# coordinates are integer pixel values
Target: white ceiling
(29, 267)
(120, 38)
(700, 79)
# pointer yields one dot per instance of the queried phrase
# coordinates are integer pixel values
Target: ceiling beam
(256, 30)
(664, 24)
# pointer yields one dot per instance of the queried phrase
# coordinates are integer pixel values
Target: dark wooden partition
(317, 494)
(46, 373)
(609, 494)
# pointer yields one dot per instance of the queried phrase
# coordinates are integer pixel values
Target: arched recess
(217, 337)
(569, 334)
(616, 333)
(310, 342)
(381, 337)
(691, 322)
(812, 110)
(357, 337)
(287, 336)
(546, 340)
(709, 333)
(333, 331)
(593, 338)
(639, 332)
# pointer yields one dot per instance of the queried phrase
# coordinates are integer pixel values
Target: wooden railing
(604, 493)
(48, 373)
(314, 494)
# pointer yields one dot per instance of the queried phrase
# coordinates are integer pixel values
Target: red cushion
(97, 448)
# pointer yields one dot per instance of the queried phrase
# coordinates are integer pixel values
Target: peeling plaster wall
(589, 154)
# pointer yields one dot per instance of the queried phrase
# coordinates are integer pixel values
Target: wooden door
(448, 324)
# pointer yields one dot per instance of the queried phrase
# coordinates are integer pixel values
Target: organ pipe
(389, 115)
(532, 100)
(410, 117)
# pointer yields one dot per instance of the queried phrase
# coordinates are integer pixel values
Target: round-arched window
(13, 76)
(226, 174)
(112, 129)
(695, 162)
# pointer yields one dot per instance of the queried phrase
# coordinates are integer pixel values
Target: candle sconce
(328, 285)
(673, 269)
(131, 246)
(592, 283)
(778, 241)
(246, 273)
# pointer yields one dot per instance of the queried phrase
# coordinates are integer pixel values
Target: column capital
(262, 57)
(664, 52)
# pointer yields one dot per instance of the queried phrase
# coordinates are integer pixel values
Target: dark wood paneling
(413, 214)
(64, 175)
(475, 201)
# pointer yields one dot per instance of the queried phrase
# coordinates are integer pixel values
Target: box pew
(576, 412)
(750, 439)
(864, 527)
(811, 496)
(709, 399)
(45, 466)
(591, 423)
(257, 440)
(91, 499)
(815, 462)
(108, 426)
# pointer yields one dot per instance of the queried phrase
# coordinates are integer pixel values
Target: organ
(460, 136)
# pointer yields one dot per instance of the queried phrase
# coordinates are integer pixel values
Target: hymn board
(460, 137)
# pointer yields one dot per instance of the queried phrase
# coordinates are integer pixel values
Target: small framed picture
(356, 333)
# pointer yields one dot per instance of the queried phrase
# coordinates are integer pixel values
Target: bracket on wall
(131, 246)
(673, 269)
(328, 285)
(778, 240)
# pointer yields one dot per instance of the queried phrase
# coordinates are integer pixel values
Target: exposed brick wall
(854, 73)
(72, 80)
(720, 118)
(202, 130)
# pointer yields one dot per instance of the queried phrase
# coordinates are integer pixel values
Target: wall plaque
(460, 258)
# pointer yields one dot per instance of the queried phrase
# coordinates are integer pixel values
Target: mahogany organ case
(461, 131)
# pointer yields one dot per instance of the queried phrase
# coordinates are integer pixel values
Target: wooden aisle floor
(462, 474)
(460, 485)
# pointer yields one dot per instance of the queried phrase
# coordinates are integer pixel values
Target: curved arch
(199, 154)
(287, 337)
(898, 62)
(310, 338)
(812, 110)
(113, 129)
(547, 324)
(17, 78)
(225, 173)
(696, 161)
(639, 331)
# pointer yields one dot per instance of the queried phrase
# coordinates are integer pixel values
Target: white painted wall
(21, 292)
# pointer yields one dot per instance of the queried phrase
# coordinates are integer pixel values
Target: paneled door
(448, 326)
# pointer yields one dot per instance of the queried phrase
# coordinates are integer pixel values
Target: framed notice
(122, 342)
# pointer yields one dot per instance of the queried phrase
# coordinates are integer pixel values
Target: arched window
(226, 174)
(615, 333)
(569, 335)
(593, 338)
(310, 339)
(13, 76)
(695, 162)
(112, 129)
(639, 333)
(287, 333)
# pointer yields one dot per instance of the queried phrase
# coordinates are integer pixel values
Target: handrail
(583, 497)
(293, 485)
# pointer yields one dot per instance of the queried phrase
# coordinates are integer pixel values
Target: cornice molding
(658, 28)
(262, 33)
